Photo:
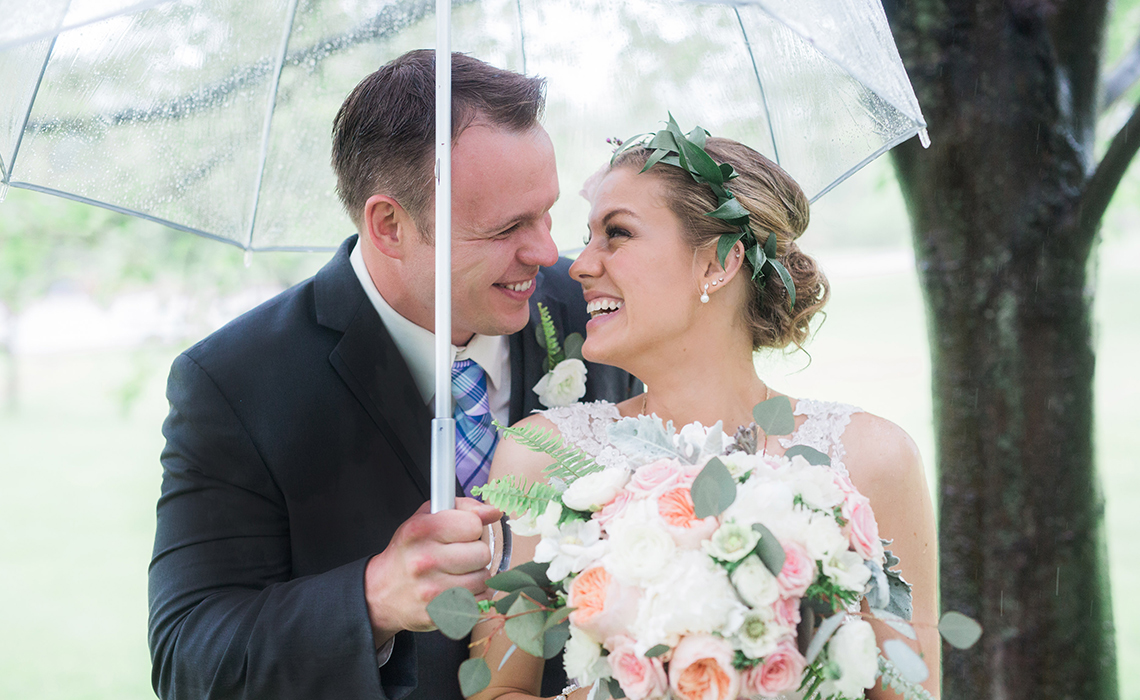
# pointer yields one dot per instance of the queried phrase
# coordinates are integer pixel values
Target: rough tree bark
(1005, 208)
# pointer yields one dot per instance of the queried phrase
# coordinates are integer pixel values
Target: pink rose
(787, 612)
(655, 476)
(640, 678)
(798, 573)
(701, 669)
(675, 507)
(863, 530)
(780, 672)
(614, 508)
(603, 607)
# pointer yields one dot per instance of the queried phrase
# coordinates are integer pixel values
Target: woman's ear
(715, 275)
(387, 225)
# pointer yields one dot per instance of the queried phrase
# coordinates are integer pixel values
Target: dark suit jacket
(297, 443)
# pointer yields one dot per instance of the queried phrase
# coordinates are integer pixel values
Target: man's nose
(539, 247)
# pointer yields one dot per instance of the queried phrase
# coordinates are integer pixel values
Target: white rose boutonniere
(565, 378)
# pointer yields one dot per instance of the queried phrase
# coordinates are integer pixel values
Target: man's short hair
(384, 133)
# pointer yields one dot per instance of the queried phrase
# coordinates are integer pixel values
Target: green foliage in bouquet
(570, 462)
(512, 494)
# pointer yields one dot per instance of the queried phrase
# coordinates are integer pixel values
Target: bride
(665, 309)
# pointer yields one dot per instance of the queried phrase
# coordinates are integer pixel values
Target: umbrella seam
(28, 112)
(288, 29)
(759, 84)
(863, 163)
(32, 38)
(522, 35)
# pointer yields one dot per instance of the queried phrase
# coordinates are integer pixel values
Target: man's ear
(387, 225)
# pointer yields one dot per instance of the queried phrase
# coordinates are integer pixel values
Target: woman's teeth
(598, 307)
(519, 286)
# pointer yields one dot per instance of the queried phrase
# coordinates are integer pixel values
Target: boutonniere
(565, 378)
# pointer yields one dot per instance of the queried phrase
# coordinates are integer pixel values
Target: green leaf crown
(687, 152)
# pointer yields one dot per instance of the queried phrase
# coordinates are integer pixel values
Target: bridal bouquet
(706, 569)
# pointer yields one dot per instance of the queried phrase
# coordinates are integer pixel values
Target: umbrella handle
(442, 464)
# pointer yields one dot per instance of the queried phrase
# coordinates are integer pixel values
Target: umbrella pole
(443, 425)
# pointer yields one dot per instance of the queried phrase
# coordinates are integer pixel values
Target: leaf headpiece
(687, 151)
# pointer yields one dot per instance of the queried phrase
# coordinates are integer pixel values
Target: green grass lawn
(80, 477)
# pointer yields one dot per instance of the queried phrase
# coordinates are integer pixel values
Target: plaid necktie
(475, 437)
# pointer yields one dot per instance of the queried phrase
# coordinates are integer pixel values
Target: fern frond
(570, 462)
(512, 495)
(553, 349)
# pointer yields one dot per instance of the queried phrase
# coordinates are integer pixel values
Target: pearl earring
(705, 295)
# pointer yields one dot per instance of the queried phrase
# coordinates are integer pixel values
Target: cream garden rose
(853, 651)
(592, 491)
(563, 385)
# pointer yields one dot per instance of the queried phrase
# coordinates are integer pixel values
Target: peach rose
(675, 507)
(640, 678)
(648, 478)
(780, 672)
(863, 530)
(798, 573)
(701, 669)
(604, 607)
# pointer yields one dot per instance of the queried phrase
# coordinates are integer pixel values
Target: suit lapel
(369, 363)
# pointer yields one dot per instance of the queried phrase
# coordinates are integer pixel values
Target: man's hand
(429, 553)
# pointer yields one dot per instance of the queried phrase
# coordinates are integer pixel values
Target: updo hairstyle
(775, 203)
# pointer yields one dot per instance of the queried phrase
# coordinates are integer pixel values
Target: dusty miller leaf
(643, 439)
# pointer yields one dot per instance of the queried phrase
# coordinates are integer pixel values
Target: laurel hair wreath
(687, 152)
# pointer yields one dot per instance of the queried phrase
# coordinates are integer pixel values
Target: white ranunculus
(823, 538)
(640, 546)
(531, 524)
(592, 491)
(815, 485)
(759, 634)
(846, 570)
(582, 658)
(577, 544)
(563, 385)
(692, 596)
(755, 584)
(732, 542)
(852, 649)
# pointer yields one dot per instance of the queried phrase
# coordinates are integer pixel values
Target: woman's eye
(617, 232)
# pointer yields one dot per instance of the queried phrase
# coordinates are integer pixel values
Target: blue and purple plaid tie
(475, 437)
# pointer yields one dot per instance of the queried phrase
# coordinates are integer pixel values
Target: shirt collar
(417, 344)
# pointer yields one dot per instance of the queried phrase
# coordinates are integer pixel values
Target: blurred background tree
(1006, 209)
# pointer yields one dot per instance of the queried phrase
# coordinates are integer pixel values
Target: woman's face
(637, 272)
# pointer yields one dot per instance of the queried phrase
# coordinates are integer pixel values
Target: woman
(665, 309)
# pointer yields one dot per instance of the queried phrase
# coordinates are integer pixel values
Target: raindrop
(3, 191)
(248, 258)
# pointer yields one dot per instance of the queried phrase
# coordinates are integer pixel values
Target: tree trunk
(1002, 251)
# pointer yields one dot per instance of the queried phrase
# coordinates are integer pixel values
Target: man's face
(503, 185)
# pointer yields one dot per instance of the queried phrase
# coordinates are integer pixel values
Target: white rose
(846, 570)
(760, 633)
(852, 649)
(823, 538)
(640, 547)
(592, 491)
(815, 485)
(563, 385)
(691, 596)
(582, 658)
(731, 542)
(577, 544)
(531, 524)
(755, 584)
(741, 463)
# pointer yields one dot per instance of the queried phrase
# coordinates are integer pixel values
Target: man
(293, 557)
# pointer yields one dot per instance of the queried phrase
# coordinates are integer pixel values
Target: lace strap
(823, 429)
(584, 424)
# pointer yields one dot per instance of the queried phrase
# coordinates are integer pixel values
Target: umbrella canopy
(213, 116)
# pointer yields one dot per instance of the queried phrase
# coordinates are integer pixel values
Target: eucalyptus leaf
(643, 439)
(557, 616)
(895, 622)
(657, 650)
(599, 691)
(959, 630)
(524, 626)
(537, 571)
(616, 691)
(554, 639)
(510, 652)
(573, 346)
(504, 604)
(713, 490)
(909, 663)
(769, 549)
(474, 675)
(511, 580)
(812, 455)
(454, 612)
(774, 416)
(826, 629)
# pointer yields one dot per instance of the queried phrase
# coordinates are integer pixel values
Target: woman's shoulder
(879, 451)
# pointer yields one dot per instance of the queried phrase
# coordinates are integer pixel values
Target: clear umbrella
(213, 116)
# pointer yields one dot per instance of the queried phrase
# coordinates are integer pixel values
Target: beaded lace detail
(584, 425)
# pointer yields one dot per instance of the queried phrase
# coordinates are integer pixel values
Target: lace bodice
(584, 425)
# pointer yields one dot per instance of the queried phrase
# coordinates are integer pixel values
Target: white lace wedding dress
(584, 425)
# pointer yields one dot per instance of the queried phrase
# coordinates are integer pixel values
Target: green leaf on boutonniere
(474, 675)
(454, 612)
(524, 626)
(573, 346)
(812, 455)
(714, 489)
(554, 353)
(774, 416)
(769, 549)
